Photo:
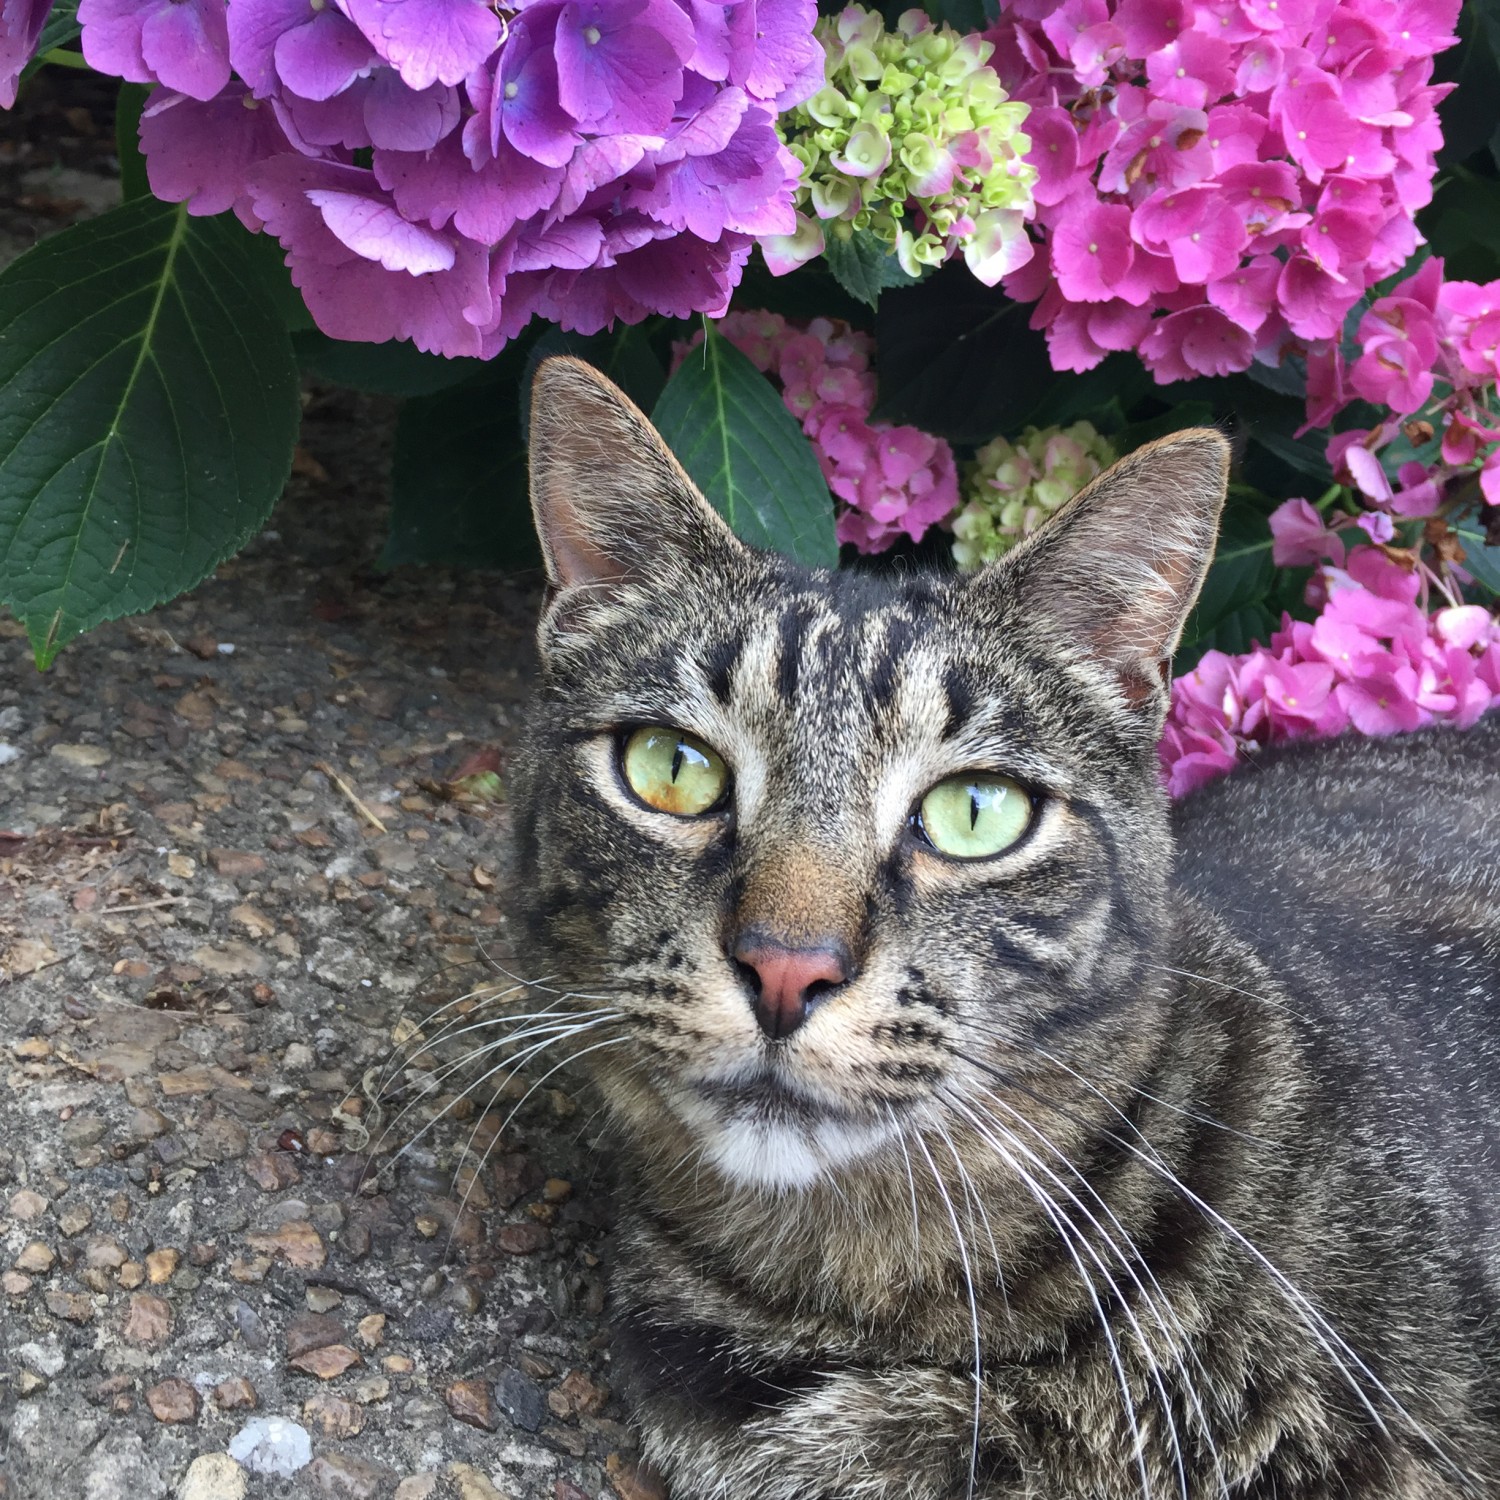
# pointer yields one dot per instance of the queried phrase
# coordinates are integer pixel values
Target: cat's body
(1075, 1175)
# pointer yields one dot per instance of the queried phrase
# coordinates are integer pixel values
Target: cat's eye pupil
(973, 816)
(673, 771)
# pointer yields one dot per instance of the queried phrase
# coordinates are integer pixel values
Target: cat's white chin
(780, 1155)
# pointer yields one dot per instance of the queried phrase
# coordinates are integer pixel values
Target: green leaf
(1481, 559)
(148, 410)
(727, 425)
(864, 267)
(459, 490)
(129, 103)
(1462, 224)
(1234, 610)
(395, 368)
(957, 359)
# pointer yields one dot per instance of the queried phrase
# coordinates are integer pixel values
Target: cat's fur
(1207, 1111)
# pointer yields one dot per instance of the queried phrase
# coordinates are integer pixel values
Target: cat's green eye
(673, 771)
(974, 816)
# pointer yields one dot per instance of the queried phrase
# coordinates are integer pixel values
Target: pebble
(471, 1484)
(297, 1242)
(16, 1283)
(80, 757)
(26, 1205)
(75, 1218)
(75, 1307)
(312, 1330)
(327, 1363)
(272, 1445)
(416, 1487)
(161, 1264)
(576, 1396)
(521, 1400)
(252, 1329)
(322, 1299)
(235, 1394)
(149, 1320)
(371, 1330)
(333, 1416)
(348, 1477)
(523, 1239)
(469, 1401)
(213, 1476)
(132, 1274)
(36, 1258)
(172, 1400)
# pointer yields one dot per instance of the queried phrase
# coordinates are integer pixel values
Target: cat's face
(831, 851)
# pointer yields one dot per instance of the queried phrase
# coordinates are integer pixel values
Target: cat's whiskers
(1233, 989)
(1072, 1238)
(974, 1200)
(963, 1256)
(1157, 1302)
(1324, 1333)
(911, 1182)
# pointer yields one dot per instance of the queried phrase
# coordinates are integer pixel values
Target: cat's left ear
(1119, 567)
(611, 502)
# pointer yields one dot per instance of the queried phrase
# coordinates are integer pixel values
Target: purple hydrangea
(438, 173)
(21, 23)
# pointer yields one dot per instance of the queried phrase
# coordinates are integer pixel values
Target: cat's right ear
(611, 502)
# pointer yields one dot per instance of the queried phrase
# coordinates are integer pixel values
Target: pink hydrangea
(1374, 662)
(1221, 181)
(892, 481)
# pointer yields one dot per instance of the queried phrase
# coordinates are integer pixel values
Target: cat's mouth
(773, 1094)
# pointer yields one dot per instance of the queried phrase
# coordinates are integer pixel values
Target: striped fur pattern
(1135, 1161)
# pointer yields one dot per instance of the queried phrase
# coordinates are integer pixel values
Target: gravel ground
(255, 1237)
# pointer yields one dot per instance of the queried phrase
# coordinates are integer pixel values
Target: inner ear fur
(1120, 566)
(611, 502)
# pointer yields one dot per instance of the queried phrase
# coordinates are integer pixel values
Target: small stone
(426, 1225)
(297, 1242)
(322, 1299)
(172, 1400)
(252, 921)
(521, 1399)
(565, 1489)
(272, 1170)
(16, 1283)
(576, 1396)
(312, 1331)
(25, 1205)
(149, 1320)
(327, 1363)
(75, 1307)
(32, 1049)
(371, 1330)
(398, 1364)
(416, 1487)
(213, 1476)
(371, 1389)
(234, 863)
(132, 1274)
(104, 1254)
(249, 1269)
(75, 1218)
(161, 1265)
(633, 1481)
(182, 866)
(523, 1239)
(272, 1445)
(333, 1416)
(36, 1258)
(28, 1382)
(471, 1484)
(235, 1394)
(348, 1477)
(465, 1296)
(469, 1401)
(557, 1190)
(80, 757)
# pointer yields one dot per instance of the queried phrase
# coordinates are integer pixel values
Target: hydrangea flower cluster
(1428, 350)
(893, 481)
(1219, 179)
(913, 138)
(1012, 487)
(1373, 661)
(443, 170)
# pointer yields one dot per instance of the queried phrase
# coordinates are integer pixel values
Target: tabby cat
(989, 1129)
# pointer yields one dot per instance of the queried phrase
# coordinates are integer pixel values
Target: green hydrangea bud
(1010, 488)
(914, 128)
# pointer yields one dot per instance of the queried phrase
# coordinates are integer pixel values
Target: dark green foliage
(864, 267)
(148, 408)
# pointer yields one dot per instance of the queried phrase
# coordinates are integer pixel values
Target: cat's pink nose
(788, 981)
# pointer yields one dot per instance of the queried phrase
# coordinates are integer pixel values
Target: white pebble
(272, 1445)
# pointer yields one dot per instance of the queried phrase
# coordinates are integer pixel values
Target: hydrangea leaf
(129, 102)
(864, 267)
(394, 368)
(1480, 558)
(744, 450)
(1233, 611)
(148, 411)
(458, 478)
